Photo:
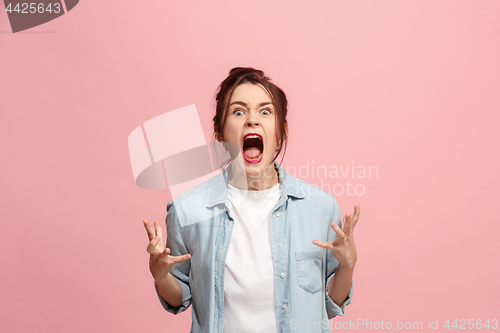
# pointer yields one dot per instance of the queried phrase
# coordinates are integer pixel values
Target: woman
(254, 249)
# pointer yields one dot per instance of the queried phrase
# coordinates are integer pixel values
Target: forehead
(250, 92)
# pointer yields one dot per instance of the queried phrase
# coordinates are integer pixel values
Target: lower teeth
(253, 159)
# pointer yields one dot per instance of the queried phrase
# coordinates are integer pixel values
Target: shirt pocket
(309, 268)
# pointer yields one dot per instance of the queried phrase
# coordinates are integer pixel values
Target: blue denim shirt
(199, 223)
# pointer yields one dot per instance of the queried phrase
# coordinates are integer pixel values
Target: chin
(257, 169)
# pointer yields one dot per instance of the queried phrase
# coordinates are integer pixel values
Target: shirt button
(278, 214)
(280, 244)
(283, 306)
(282, 275)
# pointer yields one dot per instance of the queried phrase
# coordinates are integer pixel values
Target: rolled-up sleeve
(333, 309)
(175, 242)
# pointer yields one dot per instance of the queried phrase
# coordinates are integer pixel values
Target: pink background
(411, 87)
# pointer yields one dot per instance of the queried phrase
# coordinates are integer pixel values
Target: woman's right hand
(160, 260)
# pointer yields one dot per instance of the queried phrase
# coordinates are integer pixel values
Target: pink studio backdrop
(409, 88)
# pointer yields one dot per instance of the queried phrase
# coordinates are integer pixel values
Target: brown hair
(237, 76)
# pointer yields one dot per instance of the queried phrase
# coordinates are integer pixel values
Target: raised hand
(343, 246)
(160, 260)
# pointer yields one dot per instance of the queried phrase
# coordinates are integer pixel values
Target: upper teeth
(252, 136)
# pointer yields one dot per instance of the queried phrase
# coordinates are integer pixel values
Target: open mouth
(253, 146)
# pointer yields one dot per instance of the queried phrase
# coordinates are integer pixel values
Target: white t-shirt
(249, 304)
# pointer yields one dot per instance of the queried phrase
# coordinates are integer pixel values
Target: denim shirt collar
(289, 187)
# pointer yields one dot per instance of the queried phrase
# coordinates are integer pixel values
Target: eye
(266, 111)
(238, 112)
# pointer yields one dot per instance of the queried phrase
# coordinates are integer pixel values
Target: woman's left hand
(343, 246)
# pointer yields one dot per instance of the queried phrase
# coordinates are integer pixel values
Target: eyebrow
(245, 105)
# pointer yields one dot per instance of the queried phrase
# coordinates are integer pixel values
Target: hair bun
(245, 70)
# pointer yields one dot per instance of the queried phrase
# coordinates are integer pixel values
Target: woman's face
(251, 125)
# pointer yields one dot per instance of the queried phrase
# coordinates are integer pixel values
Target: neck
(262, 181)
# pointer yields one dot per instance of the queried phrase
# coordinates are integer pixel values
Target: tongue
(252, 153)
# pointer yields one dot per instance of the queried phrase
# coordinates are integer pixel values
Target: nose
(253, 120)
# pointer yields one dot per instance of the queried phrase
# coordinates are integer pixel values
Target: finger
(326, 245)
(159, 230)
(355, 216)
(351, 220)
(152, 245)
(178, 259)
(338, 231)
(165, 252)
(149, 229)
(346, 225)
